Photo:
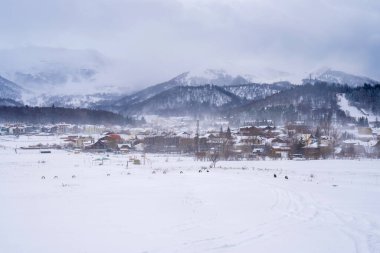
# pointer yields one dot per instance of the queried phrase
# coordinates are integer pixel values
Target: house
(124, 148)
(281, 151)
(352, 148)
(92, 129)
(364, 131)
(99, 146)
(376, 149)
(312, 151)
(280, 148)
(111, 137)
(250, 131)
(4, 130)
(78, 141)
(63, 128)
(17, 130)
(258, 151)
(298, 128)
(165, 142)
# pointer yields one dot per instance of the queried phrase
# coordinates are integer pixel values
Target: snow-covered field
(236, 207)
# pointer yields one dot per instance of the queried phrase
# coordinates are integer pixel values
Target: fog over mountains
(53, 70)
(340, 77)
(82, 79)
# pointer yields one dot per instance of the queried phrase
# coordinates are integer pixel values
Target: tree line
(53, 115)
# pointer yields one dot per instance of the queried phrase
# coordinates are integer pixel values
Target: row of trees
(52, 115)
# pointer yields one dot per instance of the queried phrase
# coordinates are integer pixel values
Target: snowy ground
(236, 207)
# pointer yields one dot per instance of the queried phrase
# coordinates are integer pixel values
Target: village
(256, 140)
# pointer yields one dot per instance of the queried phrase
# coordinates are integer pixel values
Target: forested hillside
(47, 115)
(366, 97)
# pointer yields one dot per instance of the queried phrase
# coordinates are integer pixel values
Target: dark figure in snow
(153, 172)
(207, 171)
(55, 177)
(43, 177)
(286, 177)
(274, 175)
(164, 172)
(200, 171)
(181, 172)
(73, 176)
(108, 174)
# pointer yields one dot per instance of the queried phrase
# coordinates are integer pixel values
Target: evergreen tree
(228, 134)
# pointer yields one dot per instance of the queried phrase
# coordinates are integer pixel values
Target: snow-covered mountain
(42, 76)
(206, 91)
(340, 77)
(9, 102)
(12, 94)
(39, 69)
(188, 89)
(10, 90)
(257, 91)
(73, 101)
(210, 76)
(184, 100)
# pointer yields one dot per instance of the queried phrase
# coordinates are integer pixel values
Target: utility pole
(197, 136)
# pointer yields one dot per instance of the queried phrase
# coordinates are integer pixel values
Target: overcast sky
(155, 40)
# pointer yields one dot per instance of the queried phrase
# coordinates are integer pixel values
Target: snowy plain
(324, 206)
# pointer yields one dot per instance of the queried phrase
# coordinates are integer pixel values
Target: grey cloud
(155, 40)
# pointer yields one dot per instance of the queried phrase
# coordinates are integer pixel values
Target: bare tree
(214, 157)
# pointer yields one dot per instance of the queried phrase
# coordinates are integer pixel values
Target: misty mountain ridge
(315, 103)
(253, 91)
(54, 69)
(72, 101)
(35, 68)
(329, 75)
(206, 91)
(208, 76)
(10, 90)
(313, 100)
(184, 100)
(9, 102)
(218, 77)
(181, 94)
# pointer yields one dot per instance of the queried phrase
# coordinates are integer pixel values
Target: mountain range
(194, 93)
(10, 90)
(334, 76)
(52, 70)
